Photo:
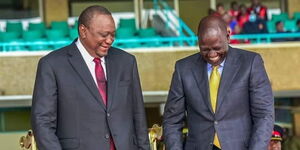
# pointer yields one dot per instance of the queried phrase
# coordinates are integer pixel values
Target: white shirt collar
(86, 56)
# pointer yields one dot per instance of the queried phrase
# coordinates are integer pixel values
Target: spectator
(234, 10)
(279, 27)
(254, 25)
(258, 9)
(276, 139)
(237, 30)
(230, 21)
(243, 16)
(220, 10)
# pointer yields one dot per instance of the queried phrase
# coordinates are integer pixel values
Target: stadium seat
(60, 25)
(16, 27)
(36, 37)
(127, 23)
(37, 26)
(11, 40)
(56, 37)
(73, 32)
(290, 25)
(149, 33)
(125, 32)
(271, 26)
(296, 16)
(146, 33)
(280, 17)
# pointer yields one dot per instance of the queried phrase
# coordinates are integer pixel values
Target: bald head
(212, 25)
(213, 39)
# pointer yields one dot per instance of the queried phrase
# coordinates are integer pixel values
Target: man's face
(214, 47)
(274, 145)
(98, 36)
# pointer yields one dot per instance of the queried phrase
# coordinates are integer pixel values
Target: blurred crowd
(248, 20)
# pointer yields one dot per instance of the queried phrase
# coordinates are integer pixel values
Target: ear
(82, 31)
(228, 34)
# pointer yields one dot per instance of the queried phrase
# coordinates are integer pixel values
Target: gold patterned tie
(214, 82)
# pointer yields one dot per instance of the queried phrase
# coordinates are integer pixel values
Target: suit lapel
(200, 74)
(111, 77)
(230, 70)
(81, 68)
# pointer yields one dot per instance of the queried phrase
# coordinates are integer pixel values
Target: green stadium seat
(56, 36)
(290, 25)
(280, 17)
(296, 16)
(125, 32)
(73, 32)
(149, 33)
(60, 25)
(16, 27)
(127, 23)
(36, 37)
(11, 40)
(37, 26)
(146, 33)
(271, 26)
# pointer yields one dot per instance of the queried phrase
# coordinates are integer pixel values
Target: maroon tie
(101, 81)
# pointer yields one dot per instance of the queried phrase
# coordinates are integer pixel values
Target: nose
(109, 40)
(212, 53)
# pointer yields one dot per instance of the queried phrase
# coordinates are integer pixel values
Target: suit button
(107, 136)
(216, 122)
(108, 114)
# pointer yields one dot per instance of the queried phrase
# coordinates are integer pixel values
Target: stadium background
(17, 69)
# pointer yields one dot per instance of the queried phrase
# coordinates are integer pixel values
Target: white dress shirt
(89, 60)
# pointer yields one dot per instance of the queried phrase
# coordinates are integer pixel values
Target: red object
(242, 19)
(233, 13)
(101, 81)
(260, 11)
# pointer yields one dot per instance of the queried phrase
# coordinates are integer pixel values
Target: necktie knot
(97, 60)
(215, 68)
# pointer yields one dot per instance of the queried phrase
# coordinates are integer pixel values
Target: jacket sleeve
(44, 108)
(174, 113)
(139, 114)
(262, 106)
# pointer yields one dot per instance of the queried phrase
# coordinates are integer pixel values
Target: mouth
(214, 58)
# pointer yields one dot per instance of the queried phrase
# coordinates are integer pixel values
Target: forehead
(212, 38)
(102, 20)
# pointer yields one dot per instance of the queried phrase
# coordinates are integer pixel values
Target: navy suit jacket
(68, 111)
(244, 115)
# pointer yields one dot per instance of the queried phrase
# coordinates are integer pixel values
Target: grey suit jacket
(245, 111)
(67, 109)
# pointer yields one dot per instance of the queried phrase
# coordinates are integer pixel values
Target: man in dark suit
(87, 95)
(223, 93)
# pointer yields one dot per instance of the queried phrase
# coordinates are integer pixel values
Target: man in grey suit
(223, 93)
(87, 95)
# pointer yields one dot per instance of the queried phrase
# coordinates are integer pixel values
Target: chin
(102, 54)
